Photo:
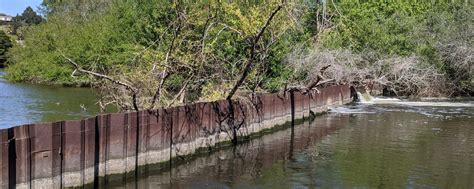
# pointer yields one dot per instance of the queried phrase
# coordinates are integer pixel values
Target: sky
(14, 7)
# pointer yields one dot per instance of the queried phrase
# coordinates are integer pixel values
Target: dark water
(397, 145)
(25, 103)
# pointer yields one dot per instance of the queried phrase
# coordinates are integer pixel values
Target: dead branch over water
(402, 75)
(250, 63)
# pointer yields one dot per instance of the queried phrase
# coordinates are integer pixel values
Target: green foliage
(211, 40)
(30, 17)
(380, 25)
(94, 43)
(391, 27)
(406, 28)
(5, 44)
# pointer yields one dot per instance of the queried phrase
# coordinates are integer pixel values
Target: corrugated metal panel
(4, 158)
(85, 150)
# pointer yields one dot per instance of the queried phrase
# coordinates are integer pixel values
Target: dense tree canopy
(192, 51)
(439, 35)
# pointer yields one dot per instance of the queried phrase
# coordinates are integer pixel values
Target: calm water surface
(25, 103)
(394, 145)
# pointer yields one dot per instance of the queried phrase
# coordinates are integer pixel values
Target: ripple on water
(25, 103)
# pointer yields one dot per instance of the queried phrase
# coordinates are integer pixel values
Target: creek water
(26, 103)
(378, 143)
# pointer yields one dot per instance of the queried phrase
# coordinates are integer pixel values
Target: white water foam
(368, 99)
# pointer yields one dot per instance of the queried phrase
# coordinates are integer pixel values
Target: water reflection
(407, 149)
(391, 146)
(25, 103)
(239, 166)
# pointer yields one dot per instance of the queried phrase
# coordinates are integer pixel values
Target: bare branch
(180, 92)
(319, 77)
(250, 63)
(164, 74)
(129, 87)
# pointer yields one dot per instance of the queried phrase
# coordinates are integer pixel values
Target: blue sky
(13, 7)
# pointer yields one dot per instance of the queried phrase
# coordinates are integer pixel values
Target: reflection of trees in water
(390, 149)
(56, 104)
(262, 161)
(401, 149)
(448, 153)
(25, 103)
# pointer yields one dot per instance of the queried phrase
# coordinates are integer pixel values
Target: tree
(166, 53)
(411, 47)
(30, 17)
(27, 18)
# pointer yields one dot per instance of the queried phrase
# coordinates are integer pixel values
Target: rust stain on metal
(74, 153)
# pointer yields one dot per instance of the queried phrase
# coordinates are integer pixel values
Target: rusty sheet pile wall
(75, 153)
